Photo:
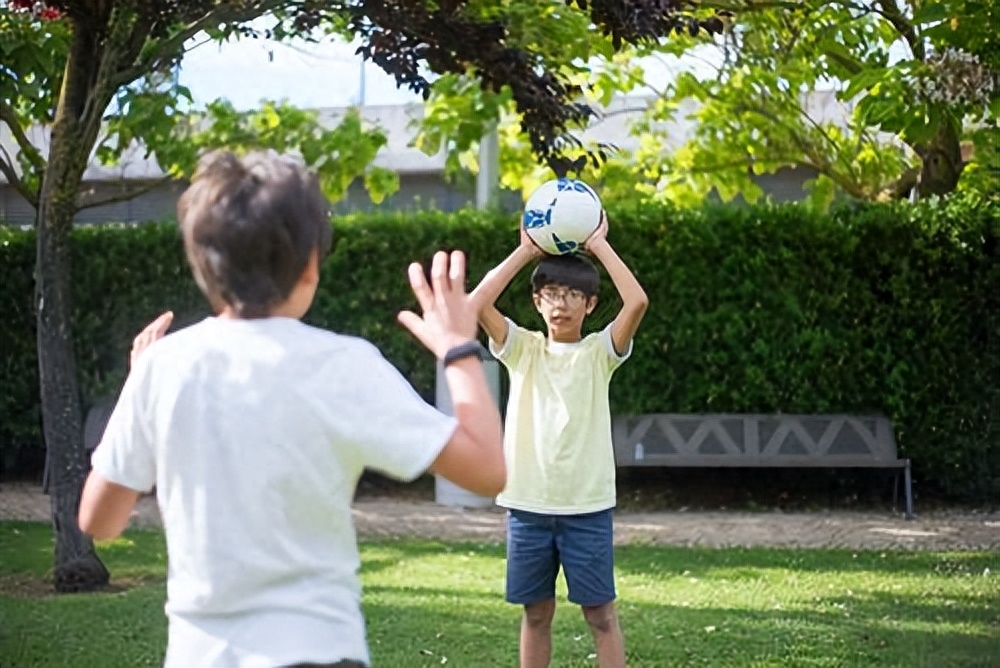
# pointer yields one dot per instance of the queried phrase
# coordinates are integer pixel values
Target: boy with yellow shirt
(560, 492)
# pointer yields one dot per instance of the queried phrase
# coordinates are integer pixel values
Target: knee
(600, 618)
(539, 615)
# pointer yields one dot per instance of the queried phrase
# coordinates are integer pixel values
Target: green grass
(434, 604)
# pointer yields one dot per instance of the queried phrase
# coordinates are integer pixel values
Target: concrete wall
(418, 191)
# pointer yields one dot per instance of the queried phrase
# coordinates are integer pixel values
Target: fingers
(445, 311)
(421, 332)
(160, 326)
(152, 332)
(418, 284)
(448, 278)
(456, 270)
(439, 277)
(411, 321)
(600, 233)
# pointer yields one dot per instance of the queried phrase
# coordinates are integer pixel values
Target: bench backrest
(721, 439)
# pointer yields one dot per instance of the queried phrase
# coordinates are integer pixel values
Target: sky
(329, 74)
(309, 75)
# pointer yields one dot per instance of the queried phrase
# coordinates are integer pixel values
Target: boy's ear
(310, 274)
(536, 298)
(591, 304)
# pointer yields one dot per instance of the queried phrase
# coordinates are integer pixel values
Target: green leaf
(863, 81)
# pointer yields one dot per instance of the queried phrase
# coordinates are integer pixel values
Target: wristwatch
(461, 351)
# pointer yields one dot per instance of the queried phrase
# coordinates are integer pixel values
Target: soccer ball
(561, 214)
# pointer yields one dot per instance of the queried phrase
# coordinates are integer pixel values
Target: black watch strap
(461, 351)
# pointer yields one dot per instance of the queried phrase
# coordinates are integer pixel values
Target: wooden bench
(761, 441)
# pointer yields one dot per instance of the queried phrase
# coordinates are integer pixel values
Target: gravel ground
(382, 517)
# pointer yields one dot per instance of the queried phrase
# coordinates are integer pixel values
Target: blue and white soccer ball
(561, 214)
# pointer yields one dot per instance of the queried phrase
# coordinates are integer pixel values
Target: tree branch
(9, 116)
(852, 66)
(811, 156)
(605, 115)
(750, 6)
(167, 48)
(124, 196)
(890, 11)
(901, 187)
(820, 129)
(722, 166)
(7, 169)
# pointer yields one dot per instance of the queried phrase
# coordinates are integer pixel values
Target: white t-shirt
(557, 440)
(254, 433)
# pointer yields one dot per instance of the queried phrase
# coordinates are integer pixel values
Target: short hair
(574, 271)
(250, 225)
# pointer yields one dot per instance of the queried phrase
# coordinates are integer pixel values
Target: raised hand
(449, 317)
(153, 331)
(599, 235)
(532, 247)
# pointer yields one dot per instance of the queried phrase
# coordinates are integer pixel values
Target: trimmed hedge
(876, 308)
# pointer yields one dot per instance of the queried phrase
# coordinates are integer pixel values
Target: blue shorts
(583, 545)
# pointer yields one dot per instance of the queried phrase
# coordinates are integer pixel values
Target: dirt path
(386, 517)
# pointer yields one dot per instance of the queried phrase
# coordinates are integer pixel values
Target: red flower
(38, 9)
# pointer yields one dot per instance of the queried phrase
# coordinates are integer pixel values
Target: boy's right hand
(449, 317)
(532, 247)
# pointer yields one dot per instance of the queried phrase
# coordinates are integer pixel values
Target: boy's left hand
(153, 331)
(449, 316)
(600, 235)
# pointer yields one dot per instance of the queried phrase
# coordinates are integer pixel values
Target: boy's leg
(536, 634)
(586, 551)
(532, 566)
(609, 643)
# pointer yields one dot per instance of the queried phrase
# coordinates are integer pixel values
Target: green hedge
(880, 308)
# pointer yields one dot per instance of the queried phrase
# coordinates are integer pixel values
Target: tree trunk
(77, 567)
(941, 162)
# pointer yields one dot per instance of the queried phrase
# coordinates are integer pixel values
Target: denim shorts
(538, 545)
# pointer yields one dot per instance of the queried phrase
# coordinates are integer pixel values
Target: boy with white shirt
(560, 491)
(254, 428)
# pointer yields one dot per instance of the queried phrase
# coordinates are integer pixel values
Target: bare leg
(536, 634)
(608, 640)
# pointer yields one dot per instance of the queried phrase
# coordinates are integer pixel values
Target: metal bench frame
(761, 441)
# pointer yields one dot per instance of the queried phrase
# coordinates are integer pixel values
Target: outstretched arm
(105, 506)
(634, 299)
(495, 282)
(473, 457)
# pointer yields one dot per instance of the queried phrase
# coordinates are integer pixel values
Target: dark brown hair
(250, 225)
(574, 271)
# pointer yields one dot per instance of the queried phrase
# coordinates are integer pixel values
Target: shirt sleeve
(126, 454)
(612, 358)
(395, 431)
(513, 346)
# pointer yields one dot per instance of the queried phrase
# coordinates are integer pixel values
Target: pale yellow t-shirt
(557, 440)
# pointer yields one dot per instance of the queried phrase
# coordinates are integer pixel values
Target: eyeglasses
(567, 296)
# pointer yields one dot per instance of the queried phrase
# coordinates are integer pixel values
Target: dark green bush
(887, 308)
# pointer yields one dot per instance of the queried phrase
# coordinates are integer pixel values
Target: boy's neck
(565, 337)
(228, 313)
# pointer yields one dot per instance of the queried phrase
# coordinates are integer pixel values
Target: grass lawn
(434, 604)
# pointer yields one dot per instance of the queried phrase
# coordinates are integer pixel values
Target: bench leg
(908, 482)
(907, 491)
